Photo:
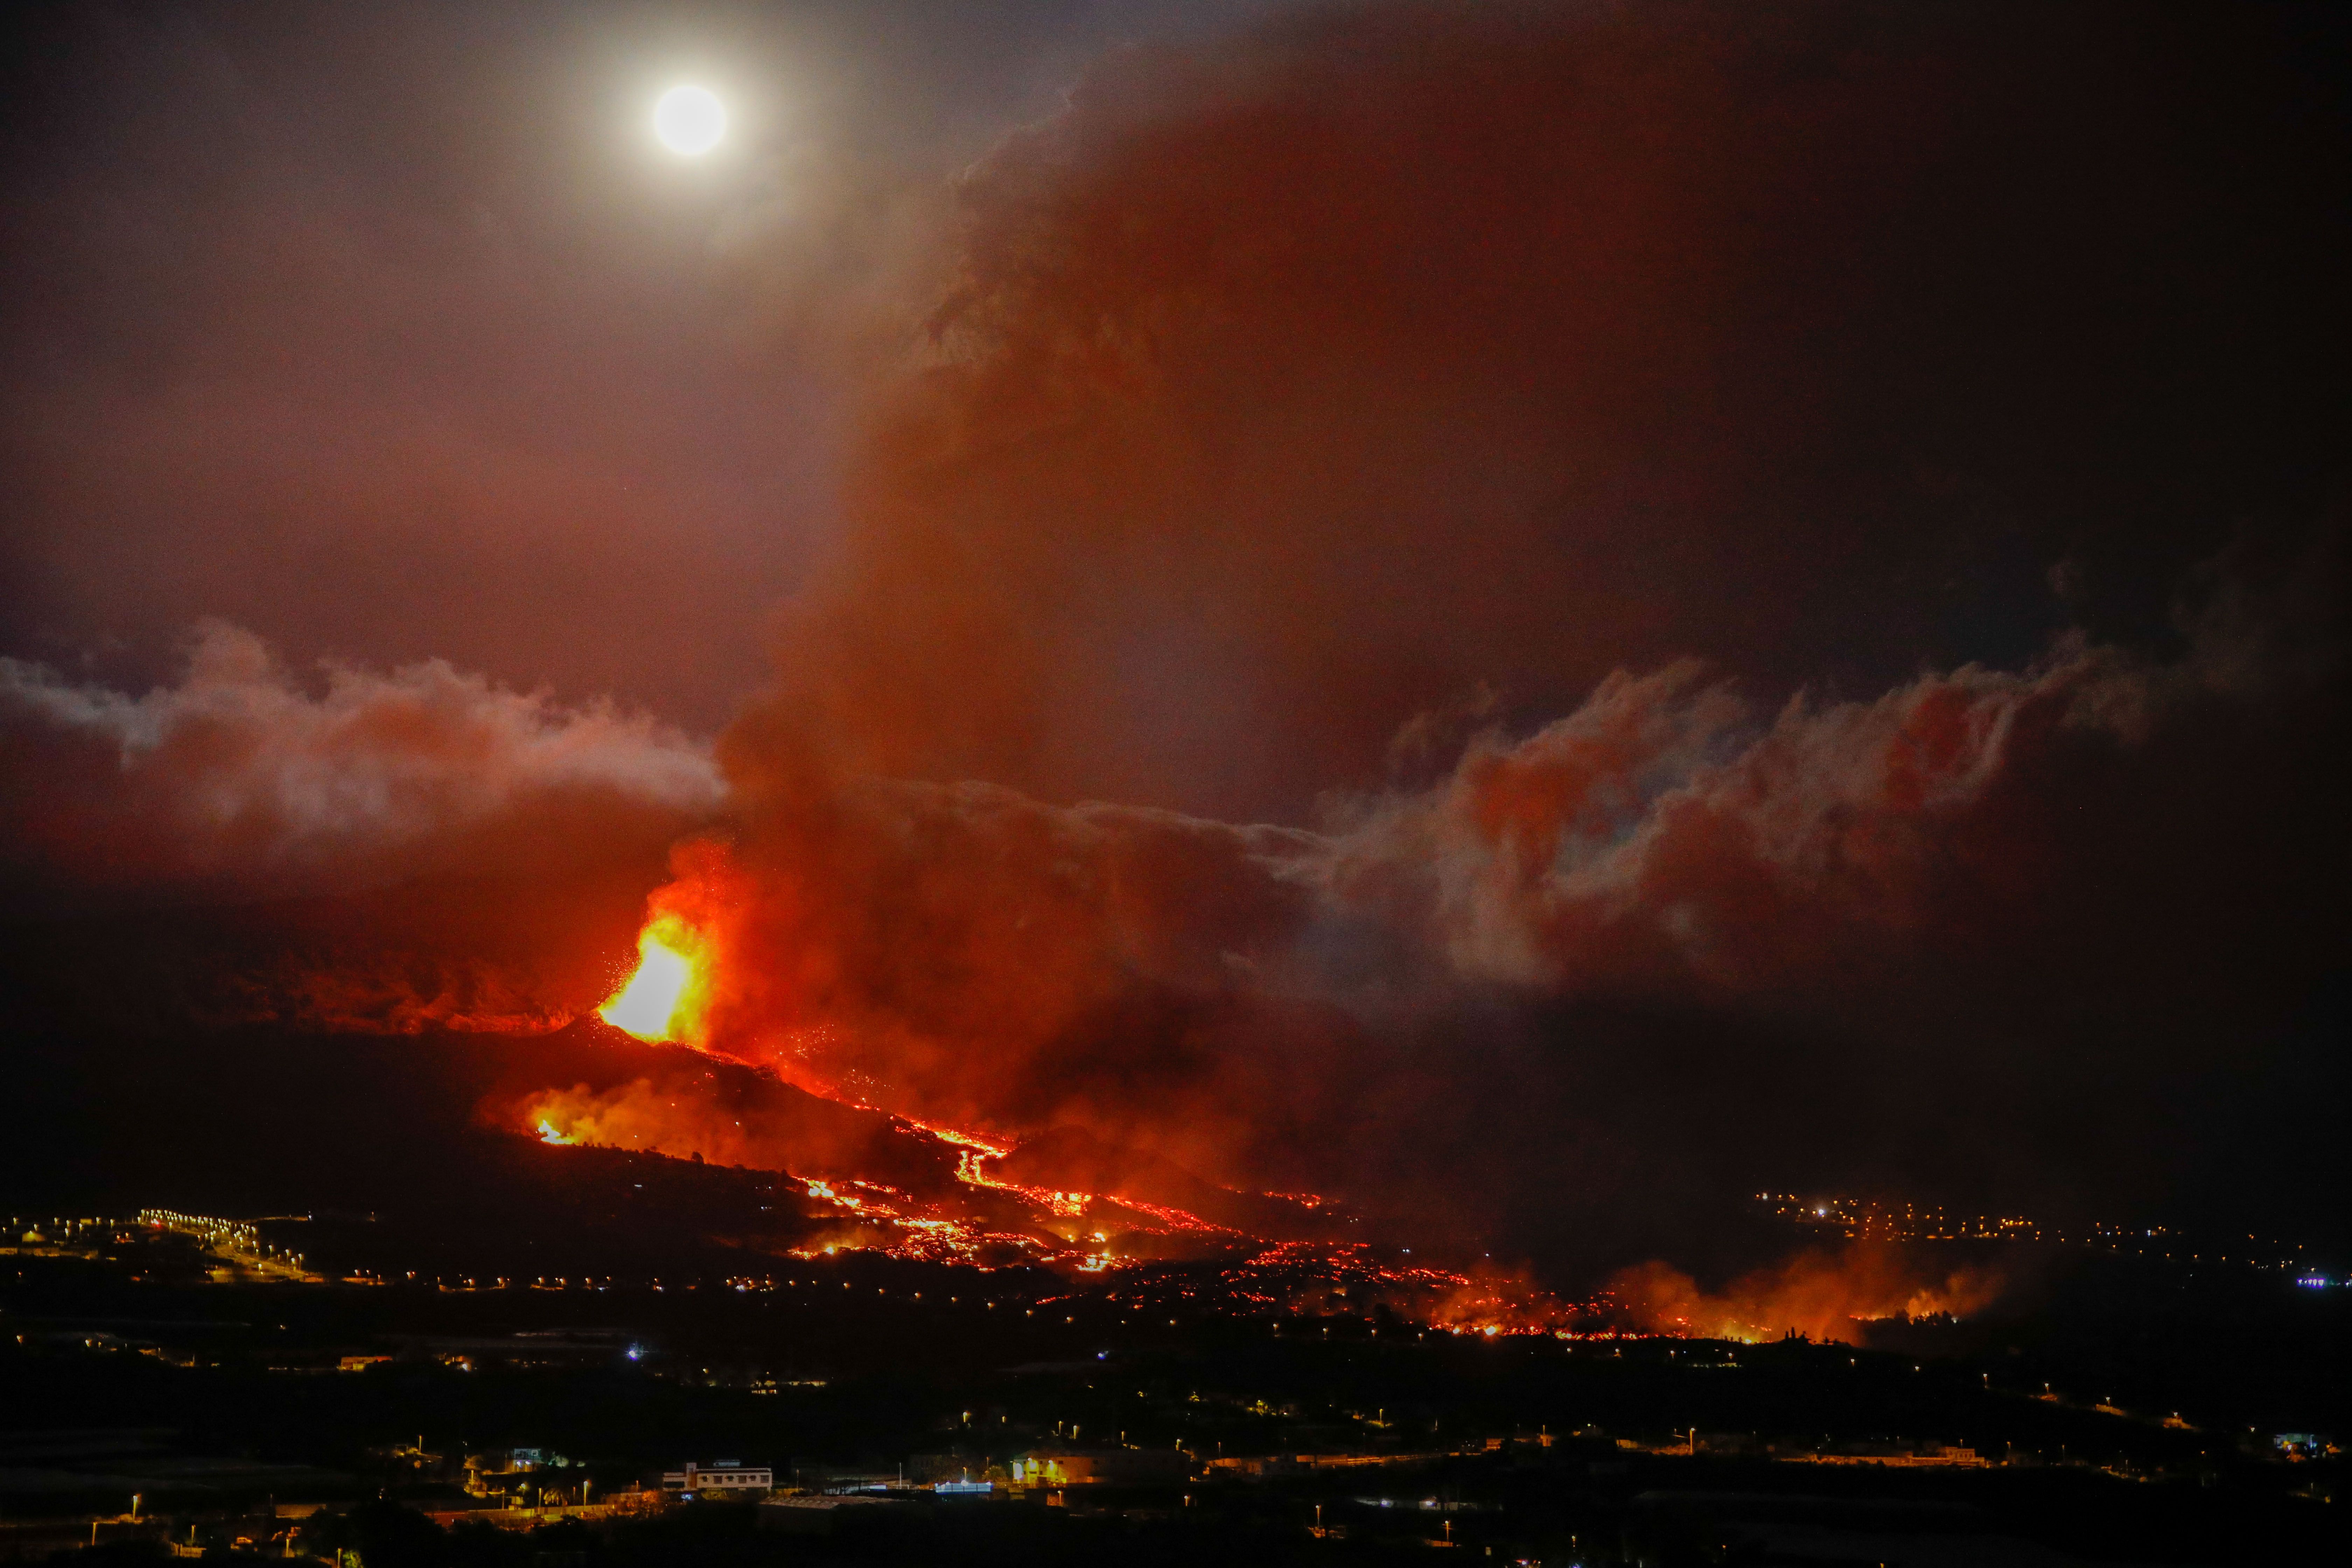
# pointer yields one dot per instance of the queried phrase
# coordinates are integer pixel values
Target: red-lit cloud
(247, 773)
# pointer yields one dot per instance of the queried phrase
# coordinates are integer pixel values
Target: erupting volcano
(871, 1177)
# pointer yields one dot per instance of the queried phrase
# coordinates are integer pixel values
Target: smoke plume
(1318, 416)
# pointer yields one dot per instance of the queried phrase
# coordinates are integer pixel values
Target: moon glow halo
(689, 120)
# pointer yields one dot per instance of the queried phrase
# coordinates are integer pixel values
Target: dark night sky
(1744, 591)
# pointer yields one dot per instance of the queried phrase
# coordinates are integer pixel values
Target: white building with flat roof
(726, 1476)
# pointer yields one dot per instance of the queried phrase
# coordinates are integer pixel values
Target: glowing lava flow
(969, 1168)
(663, 1000)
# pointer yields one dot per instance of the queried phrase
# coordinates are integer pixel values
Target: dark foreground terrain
(277, 1418)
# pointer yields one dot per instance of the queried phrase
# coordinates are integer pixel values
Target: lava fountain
(663, 999)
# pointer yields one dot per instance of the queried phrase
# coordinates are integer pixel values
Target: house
(726, 1476)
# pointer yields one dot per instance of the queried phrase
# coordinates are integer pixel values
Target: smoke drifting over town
(1495, 611)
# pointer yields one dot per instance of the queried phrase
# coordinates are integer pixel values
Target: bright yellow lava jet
(662, 999)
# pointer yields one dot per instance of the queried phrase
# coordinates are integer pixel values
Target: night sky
(1539, 615)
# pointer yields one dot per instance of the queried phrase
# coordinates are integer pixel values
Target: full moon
(689, 119)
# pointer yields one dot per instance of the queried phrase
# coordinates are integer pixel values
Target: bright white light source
(689, 119)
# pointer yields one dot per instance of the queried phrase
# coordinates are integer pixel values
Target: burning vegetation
(1819, 1294)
